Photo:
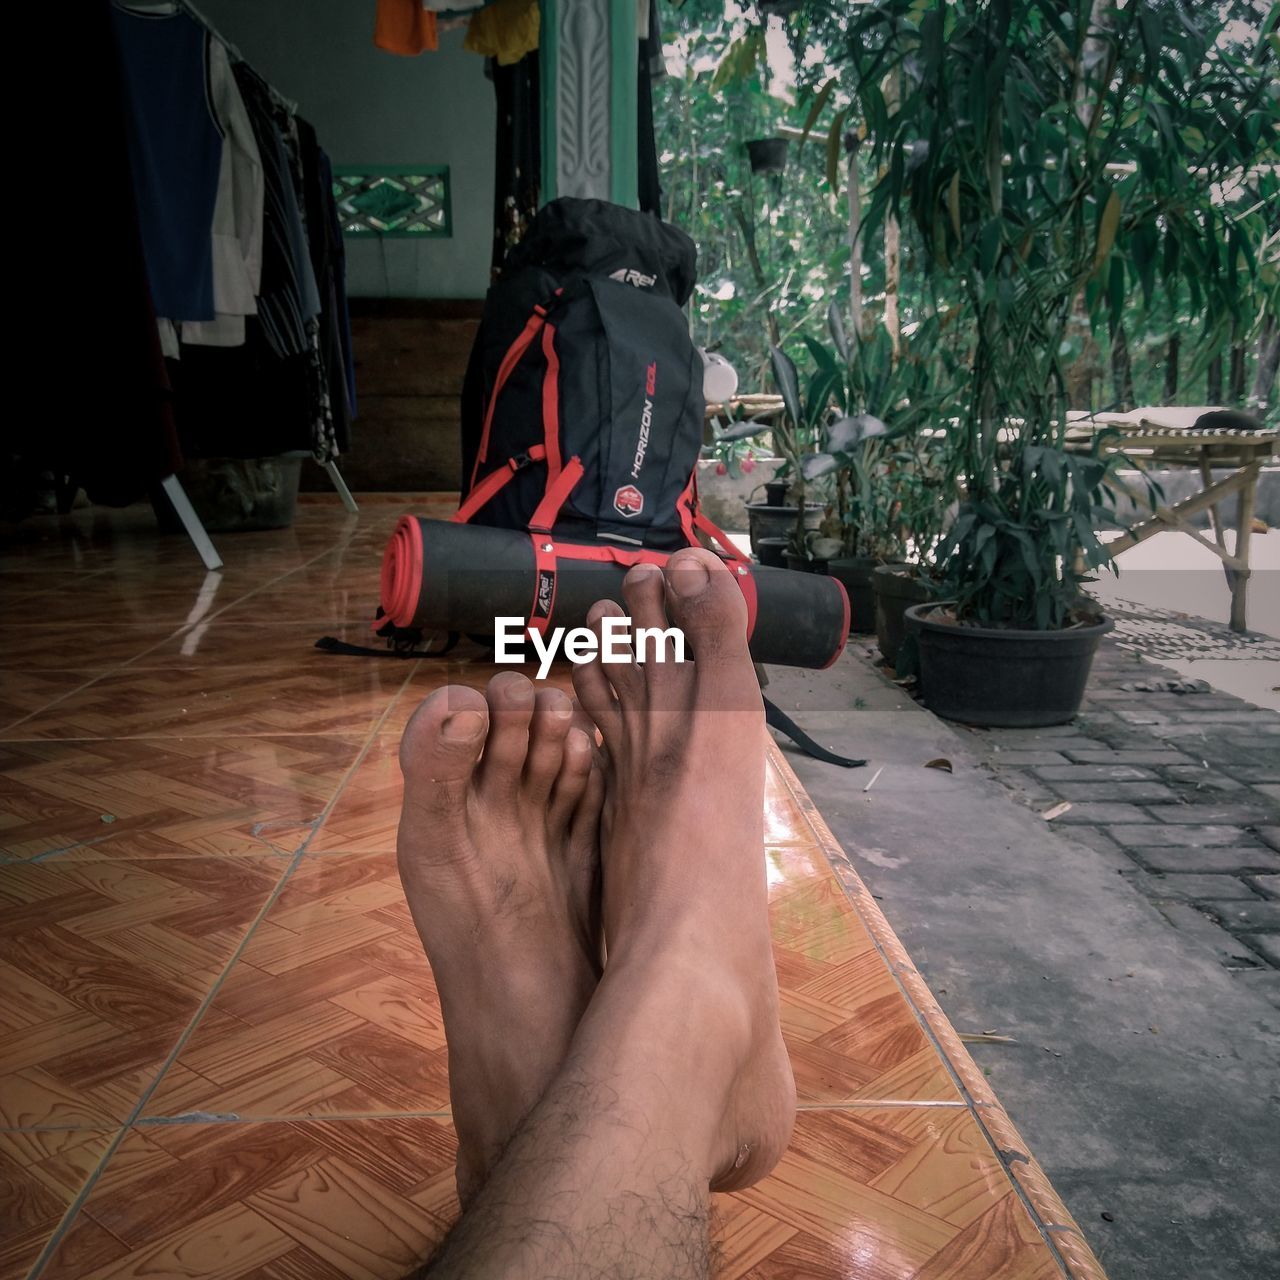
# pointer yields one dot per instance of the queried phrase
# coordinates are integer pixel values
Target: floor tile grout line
(969, 1101)
(192, 1119)
(73, 1209)
(120, 666)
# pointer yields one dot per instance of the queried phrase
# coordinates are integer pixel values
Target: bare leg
(677, 1081)
(499, 857)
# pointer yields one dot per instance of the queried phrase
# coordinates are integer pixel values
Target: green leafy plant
(877, 451)
(733, 457)
(1054, 156)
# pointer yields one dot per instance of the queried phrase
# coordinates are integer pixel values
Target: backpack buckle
(519, 462)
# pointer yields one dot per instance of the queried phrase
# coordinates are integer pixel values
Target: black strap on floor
(776, 718)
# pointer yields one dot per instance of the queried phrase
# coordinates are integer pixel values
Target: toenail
(639, 572)
(689, 577)
(515, 688)
(462, 726)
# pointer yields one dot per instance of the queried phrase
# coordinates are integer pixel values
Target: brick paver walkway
(1180, 789)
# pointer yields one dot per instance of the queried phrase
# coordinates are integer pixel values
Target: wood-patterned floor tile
(172, 797)
(367, 813)
(22, 693)
(69, 647)
(37, 1186)
(102, 965)
(891, 1193)
(329, 1009)
(245, 644)
(306, 1199)
(306, 693)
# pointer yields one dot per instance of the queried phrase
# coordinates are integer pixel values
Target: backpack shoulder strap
(515, 353)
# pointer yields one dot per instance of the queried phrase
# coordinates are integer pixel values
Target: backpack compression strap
(494, 483)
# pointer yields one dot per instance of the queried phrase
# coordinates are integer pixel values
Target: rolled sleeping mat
(441, 576)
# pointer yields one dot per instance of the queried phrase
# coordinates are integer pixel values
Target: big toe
(440, 748)
(706, 603)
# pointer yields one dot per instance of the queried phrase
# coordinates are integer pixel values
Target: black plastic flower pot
(775, 492)
(765, 521)
(854, 573)
(1001, 678)
(804, 564)
(767, 155)
(772, 552)
(895, 587)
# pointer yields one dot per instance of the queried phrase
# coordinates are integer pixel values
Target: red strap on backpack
(544, 546)
(557, 494)
(551, 402)
(494, 483)
(515, 353)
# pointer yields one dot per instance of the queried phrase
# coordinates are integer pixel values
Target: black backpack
(582, 409)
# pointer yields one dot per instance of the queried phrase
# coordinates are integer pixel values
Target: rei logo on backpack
(583, 407)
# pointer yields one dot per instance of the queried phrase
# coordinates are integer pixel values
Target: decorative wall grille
(393, 200)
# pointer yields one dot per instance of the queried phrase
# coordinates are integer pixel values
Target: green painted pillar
(589, 61)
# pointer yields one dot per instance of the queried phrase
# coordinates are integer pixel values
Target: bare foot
(689, 1000)
(498, 854)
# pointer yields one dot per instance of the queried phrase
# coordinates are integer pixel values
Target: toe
(584, 722)
(510, 697)
(706, 603)
(440, 747)
(592, 680)
(570, 782)
(644, 593)
(552, 719)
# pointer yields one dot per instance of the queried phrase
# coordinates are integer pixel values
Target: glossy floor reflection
(221, 1052)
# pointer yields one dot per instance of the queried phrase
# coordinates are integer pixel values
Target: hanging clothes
(237, 214)
(405, 27)
(341, 311)
(287, 297)
(175, 155)
(245, 401)
(113, 431)
(517, 178)
(333, 428)
(505, 30)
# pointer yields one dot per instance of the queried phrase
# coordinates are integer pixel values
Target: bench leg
(1244, 530)
(1215, 517)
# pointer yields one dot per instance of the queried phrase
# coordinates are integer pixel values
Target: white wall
(371, 107)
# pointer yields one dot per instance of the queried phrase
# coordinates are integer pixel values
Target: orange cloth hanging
(405, 27)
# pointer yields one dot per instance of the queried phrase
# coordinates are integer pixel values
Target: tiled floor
(220, 1047)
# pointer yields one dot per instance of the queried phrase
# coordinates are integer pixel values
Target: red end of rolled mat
(402, 572)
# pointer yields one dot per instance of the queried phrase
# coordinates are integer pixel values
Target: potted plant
(1051, 157)
(731, 472)
(923, 484)
(809, 419)
(775, 521)
(870, 451)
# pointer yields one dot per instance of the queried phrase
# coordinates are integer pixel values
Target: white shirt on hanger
(237, 214)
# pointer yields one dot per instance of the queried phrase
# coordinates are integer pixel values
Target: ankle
(675, 1034)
